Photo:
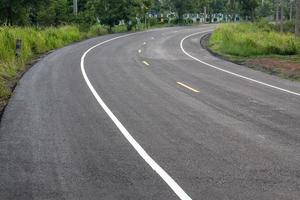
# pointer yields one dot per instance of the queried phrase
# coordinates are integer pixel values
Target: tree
(265, 8)
(297, 21)
(248, 8)
(15, 12)
(109, 12)
(133, 9)
(281, 16)
(55, 12)
(232, 7)
(181, 7)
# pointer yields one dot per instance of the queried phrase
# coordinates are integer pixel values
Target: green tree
(16, 12)
(248, 8)
(54, 12)
(265, 8)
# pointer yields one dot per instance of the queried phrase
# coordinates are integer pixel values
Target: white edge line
(160, 171)
(229, 72)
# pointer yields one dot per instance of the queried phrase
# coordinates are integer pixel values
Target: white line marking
(152, 38)
(229, 72)
(188, 87)
(146, 63)
(140, 51)
(144, 43)
(160, 171)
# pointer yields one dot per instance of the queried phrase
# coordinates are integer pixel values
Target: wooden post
(18, 47)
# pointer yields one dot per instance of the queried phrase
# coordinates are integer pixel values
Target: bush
(246, 39)
(153, 21)
(288, 27)
(97, 30)
(188, 21)
(119, 29)
(264, 25)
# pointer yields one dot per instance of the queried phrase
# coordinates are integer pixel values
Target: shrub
(288, 26)
(188, 21)
(264, 25)
(119, 29)
(153, 21)
(97, 30)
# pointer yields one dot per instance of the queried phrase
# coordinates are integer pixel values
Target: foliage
(266, 9)
(97, 30)
(288, 26)
(56, 13)
(112, 12)
(248, 8)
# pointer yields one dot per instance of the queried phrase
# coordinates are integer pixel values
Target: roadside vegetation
(35, 41)
(259, 45)
(253, 39)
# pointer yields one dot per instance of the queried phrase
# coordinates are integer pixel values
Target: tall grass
(97, 30)
(34, 41)
(248, 39)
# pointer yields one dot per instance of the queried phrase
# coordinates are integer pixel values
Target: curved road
(149, 115)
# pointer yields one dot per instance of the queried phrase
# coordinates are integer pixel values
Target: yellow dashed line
(188, 87)
(146, 63)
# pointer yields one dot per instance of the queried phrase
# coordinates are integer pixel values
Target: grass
(247, 39)
(248, 43)
(34, 42)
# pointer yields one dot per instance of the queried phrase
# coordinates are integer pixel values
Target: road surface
(149, 115)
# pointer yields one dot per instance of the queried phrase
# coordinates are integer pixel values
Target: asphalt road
(143, 117)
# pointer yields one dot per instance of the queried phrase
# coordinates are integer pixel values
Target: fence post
(18, 47)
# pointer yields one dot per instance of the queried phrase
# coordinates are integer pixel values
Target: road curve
(150, 115)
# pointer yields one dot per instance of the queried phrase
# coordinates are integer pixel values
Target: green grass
(245, 42)
(248, 39)
(34, 42)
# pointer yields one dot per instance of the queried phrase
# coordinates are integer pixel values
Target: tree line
(131, 12)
